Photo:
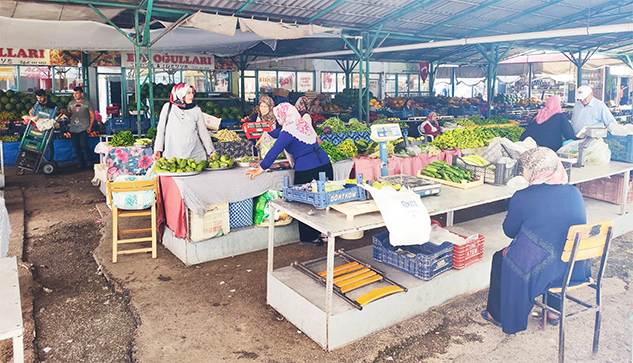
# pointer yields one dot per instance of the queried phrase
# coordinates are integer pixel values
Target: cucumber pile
(443, 170)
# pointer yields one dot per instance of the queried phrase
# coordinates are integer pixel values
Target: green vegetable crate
(494, 173)
(321, 199)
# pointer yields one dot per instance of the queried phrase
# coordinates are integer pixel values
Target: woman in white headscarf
(297, 137)
(538, 219)
(181, 131)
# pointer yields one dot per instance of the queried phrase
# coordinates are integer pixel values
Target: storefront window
(35, 77)
(305, 81)
(414, 84)
(328, 83)
(340, 81)
(390, 85)
(267, 81)
(67, 78)
(287, 80)
(403, 84)
(167, 76)
(222, 81)
(198, 79)
(8, 78)
(250, 86)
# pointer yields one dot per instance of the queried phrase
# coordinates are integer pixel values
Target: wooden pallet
(352, 209)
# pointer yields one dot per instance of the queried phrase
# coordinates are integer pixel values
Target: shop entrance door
(109, 90)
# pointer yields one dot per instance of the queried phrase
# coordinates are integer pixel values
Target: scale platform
(418, 185)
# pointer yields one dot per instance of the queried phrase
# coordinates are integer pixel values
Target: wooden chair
(133, 186)
(584, 242)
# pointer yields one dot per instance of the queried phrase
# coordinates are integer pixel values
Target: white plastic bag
(404, 214)
(597, 152)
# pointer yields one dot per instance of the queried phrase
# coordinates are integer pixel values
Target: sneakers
(315, 242)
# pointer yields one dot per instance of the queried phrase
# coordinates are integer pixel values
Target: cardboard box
(281, 92)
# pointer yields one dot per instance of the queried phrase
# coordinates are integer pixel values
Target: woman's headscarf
(292, 122)
(541, 165)
(303, 105)
(270, 116)
(178, 93)
(552, 107)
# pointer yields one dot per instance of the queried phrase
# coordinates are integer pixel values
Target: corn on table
(315, 318)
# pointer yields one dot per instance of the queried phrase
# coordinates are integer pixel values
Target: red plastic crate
(606, 189)
(468, 253)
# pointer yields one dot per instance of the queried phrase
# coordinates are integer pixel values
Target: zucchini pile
(443, 170)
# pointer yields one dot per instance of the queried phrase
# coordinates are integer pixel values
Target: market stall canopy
(58, 12)
(398, 25)
(25, 33)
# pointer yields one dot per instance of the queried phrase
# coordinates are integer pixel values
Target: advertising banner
(39, 57)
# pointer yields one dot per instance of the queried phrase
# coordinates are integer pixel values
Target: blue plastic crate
(621, 147)
(423, 261)
(241, 213)
(321, 199)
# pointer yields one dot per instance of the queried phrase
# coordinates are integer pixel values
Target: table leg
(449, 218)
(625, 191)
(329, 286)
(271, 237)
(18, 349)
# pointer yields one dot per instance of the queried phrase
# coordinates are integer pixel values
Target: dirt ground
(87, 309)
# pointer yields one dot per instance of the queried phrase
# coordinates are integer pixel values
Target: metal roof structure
(391, 23)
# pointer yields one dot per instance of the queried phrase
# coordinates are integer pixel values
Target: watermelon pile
(13, 105)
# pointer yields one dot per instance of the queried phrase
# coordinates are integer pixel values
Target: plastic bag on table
(262, 208)
(405, 216)
(266, 142)
(501, 147)
(597, 152)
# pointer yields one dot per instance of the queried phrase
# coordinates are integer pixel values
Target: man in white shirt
(589, 111)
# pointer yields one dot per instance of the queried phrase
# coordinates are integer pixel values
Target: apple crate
(214, 223)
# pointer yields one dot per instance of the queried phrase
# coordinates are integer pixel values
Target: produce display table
(196, 193)
(333, 323)
(125, 160)
(370, 168)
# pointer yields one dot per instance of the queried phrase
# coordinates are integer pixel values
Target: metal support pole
(453, 82)
(579, 70)
(529, 80)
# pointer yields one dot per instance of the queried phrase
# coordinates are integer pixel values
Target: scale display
(254, 130)
(385, 132)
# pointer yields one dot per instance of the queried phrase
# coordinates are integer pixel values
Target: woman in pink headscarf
(297, 137)
(538, 219)
(550, 127)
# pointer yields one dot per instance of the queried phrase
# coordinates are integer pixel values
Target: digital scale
(589, 133)
(254, 130)
(420, 186)
(383, 134)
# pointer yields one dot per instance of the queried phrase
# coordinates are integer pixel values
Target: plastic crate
(621, 147)
(321, 199)
(468, 253)
(115, 125)
(241, 213)
(606, 189)
(499, 175)
(214, 223)
(423, 261)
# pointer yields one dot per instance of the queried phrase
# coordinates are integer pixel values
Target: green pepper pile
(334, 153)
(348, 147)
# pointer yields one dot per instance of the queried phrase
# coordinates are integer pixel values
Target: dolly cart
(34, 146)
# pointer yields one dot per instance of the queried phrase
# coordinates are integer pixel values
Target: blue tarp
(64, 151)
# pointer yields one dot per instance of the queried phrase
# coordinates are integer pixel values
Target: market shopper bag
(405, 216)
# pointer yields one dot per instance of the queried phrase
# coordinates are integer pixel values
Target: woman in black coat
(550, 127)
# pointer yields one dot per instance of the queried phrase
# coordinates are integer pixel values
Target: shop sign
(39, 57)
(306, 82)
(172, 61)
(286, 80)
(267, 79)
(424, 70)
(35, 72)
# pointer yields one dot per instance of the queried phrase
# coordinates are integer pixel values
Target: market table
(370, 168)
(305, 309)
(198, 192)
